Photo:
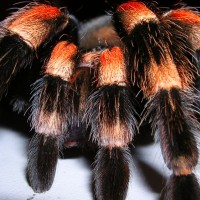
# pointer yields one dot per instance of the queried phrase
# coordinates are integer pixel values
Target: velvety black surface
(42, 161)
(111, 173)
(183, 188)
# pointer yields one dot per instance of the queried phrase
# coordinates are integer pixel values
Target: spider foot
(111, 173)
(183, 187)
(42, 160)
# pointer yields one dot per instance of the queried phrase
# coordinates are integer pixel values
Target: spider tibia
(52, 106)
(36, 23)
(62, 61)
(110, 113)
(132, 13)
(112, 68)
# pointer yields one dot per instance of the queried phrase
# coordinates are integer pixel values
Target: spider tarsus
(184, 187)
(42, 160)
(112, 173)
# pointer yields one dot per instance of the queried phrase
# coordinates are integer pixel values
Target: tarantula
(88, 85)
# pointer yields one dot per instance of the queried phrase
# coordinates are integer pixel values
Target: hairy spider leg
(22, 33)
(161, 60)
(111, 115)
(54, 108)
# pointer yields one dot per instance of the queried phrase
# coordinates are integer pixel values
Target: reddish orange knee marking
(132, 6)
(133, 13)
(112, 67)
(186, 16)
(61, 62)
(41, 12)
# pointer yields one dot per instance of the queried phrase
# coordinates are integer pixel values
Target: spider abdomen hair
(112, 173)
(42, 160)
(98, 32)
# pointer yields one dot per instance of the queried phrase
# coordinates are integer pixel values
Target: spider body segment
(90, 79)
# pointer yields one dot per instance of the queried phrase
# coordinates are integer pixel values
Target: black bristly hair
(12, 46)
(185, 187)
(103, 106)
(114, 164)
(42, 159)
